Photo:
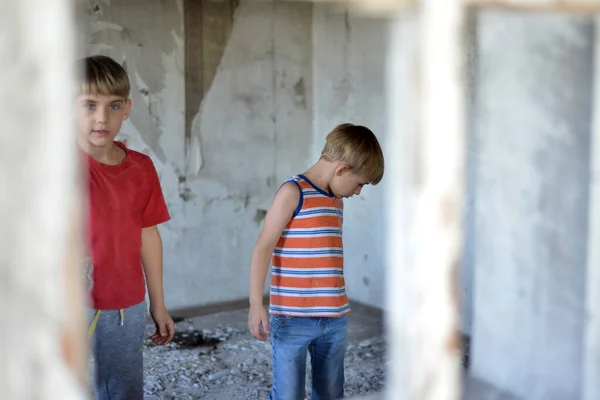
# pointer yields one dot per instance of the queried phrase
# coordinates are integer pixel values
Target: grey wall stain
(344, 88)
(347, 25)
(237, 198)
(252, 102)
(260, 216)
(185, 193)
(300, 93)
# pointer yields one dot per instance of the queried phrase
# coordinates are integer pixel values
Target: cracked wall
(249, 131)
(151, 51)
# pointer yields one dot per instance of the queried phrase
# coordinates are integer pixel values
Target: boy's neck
(321, 174)
(110, 154)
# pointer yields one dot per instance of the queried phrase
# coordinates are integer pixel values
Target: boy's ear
(340, 169)
(127, 110)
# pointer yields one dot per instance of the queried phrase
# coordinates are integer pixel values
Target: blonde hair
(103, 75)
(357, 147)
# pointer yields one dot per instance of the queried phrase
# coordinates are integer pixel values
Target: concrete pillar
(534, 93)
(426, 160)
(42, 337)
(591, 362)
(466, 272)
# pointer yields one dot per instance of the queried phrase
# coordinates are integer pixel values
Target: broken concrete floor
(231, 365)
(217, 359)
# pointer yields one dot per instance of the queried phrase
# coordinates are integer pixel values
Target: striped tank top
(307, 266)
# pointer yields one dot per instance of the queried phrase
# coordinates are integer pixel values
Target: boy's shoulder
(136, 157)
(294, 185)
(299, 180)
(291, 186)
(293, 179)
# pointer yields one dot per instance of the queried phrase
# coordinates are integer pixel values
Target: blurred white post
(42, 331)
(426, 167)
(591, 367)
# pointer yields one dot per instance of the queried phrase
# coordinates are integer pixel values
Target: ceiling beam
(386, 7)
(563, 6)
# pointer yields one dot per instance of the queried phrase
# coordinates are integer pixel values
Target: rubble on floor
(226, 363)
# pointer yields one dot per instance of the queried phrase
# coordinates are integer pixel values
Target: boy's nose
(102, 116)
(357, 191)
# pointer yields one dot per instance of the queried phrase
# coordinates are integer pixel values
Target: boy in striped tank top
(302, 237)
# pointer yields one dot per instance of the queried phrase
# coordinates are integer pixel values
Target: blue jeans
(325, 339)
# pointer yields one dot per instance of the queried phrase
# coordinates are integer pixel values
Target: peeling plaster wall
(252, 130)
(252, 134)
(151, 49)
(348, 81)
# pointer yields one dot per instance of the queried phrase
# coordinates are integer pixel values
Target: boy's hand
(257, 316)
(165, 327)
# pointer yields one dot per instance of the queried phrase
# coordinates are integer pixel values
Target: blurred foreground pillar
(425, 164)
(42, 338)
(591, 363)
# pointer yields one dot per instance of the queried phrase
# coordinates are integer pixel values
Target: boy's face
(99, 117)
(345, 183)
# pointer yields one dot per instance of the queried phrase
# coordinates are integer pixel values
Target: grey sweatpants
(117, 350)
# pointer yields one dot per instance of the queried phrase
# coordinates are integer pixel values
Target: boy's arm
(278, 216)
(155, 213)
(152, 261)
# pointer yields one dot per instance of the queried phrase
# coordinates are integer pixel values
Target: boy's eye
(89, 106)
(115, 106)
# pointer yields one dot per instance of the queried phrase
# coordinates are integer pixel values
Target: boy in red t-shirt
(125, 206)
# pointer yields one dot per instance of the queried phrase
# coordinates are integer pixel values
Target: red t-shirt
(123, 199)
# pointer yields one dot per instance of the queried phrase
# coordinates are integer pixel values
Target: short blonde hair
(103, 75)
(357, 147)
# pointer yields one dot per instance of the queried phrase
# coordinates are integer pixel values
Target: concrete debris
(227, 363)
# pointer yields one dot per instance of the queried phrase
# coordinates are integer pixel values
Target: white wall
(252, 130)
(348, 81)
